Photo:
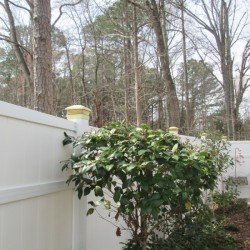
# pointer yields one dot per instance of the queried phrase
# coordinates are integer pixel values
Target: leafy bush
(226, 200)
(198, 230)
(150, 176)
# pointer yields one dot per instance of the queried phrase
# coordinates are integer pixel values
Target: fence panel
(240, 152)
(36, 206)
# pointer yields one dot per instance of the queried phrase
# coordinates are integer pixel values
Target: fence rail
(18, 193)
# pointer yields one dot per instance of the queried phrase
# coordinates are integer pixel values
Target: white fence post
(203, 136)
(173, 130)
(80, 115)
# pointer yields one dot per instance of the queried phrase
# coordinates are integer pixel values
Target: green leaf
(87, 181)
(79, 190)
(98, 191)
(107, 204)
(177, 190)
(87, 191)
(74, 157)
(100, 202)
(124, 200)
(92, 204)
(155, 196)
(79, 187)
(90, 211)
(65, 166)
(68, 139)
(118, 232)
(184, 195)
(175, 147)
(188, 205)
(147, 210)
(131, 167)
(157, 203)
(127, 183)
(154, 213)
(109, 167)
(203, 153)
(112, 131)
(142, 152)
(176, 157)
(148, 163)
(122, 175)
(117, 194)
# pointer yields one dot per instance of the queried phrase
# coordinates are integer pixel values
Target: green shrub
(227, 200)
(198, 230)
(150, 177)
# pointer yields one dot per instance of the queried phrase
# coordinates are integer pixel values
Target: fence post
(224, 138)
(80, 116)
(173, 130)
(203, 136)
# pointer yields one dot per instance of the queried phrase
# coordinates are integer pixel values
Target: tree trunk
(72, 85)
(127, 60)
(172, 101)
(224, 43)
(84, 96)
(144, 232)
(18, 52)
(136, 70)
(186, 90)
(217, 23)
(242, 86)
(42, 57)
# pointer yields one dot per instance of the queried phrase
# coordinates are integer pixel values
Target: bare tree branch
(5, 23)
(136, 4)
(14, 40)
(8, 39)
(203, 62)
(61, 11)
(195, 17)
(30, 4)
(19, 6)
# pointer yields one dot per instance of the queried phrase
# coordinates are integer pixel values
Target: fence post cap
(203, 135)
(77, 112)
(173, 130)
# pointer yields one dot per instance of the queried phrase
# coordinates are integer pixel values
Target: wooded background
(181, 63)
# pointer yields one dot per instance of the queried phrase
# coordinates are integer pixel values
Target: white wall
(240, 152)
(101, 233)
(36, 206)
(39, 223)
(38, 211)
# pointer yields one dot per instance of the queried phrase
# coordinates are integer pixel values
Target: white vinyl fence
(38, 211)
(240, 152)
